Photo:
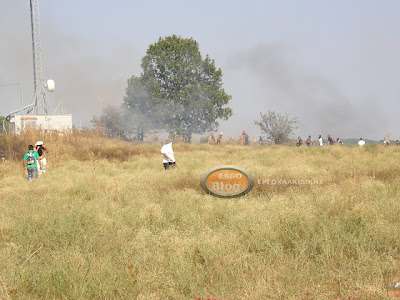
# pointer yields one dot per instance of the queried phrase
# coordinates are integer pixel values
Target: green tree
(276, 126)
(185, 92)
(111, 121)
(142, 112)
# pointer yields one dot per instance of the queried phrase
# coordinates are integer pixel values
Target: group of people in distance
(361, 142)
(35, 160)
(386, 142)
(212, 141)
(310, 142)
(244, 139)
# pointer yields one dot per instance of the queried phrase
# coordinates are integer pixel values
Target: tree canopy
(141, 113)
(178, 91)
(276, 126)
(110, 121)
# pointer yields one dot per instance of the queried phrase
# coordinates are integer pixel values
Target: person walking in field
(31, 162)
(320, 141)
(168, 155)
(361, 142)
(309, 141)
(299, 142)
(211, 139)
(41, 150)
(339, 141)
(245, 138)
(219, 139)
(330, 140)
(386, 142)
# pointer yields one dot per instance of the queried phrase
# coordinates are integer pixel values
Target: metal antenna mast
(39, 104)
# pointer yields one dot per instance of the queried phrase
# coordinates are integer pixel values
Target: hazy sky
(333, 64)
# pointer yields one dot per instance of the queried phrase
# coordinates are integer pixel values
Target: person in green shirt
(31, 159)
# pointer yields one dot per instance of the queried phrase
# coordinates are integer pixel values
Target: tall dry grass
(107, 222)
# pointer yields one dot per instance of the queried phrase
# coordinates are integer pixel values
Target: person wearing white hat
(168, 155)
(41, 149)
(219, 139)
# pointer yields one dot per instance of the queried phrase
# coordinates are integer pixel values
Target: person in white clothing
(168, 155)
(320, 140)
(386, 142)
(361, 142)
(41, 149)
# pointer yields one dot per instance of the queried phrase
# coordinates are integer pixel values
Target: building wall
(44, 122)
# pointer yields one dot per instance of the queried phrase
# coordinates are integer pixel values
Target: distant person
(299, 142)
(309, 141)
(330, 140)
(219, 139)
(397, 142)
(260, 140)
(339, 141)
(361, 142)
(211, 139)
(320, 141)
(168, 155)
(41, 150)
(31, 162)
(245, 137)
(386, 142)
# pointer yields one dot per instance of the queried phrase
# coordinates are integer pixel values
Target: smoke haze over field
(335, 66)
(278, 83)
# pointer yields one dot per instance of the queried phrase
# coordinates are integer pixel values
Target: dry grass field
(107, 222)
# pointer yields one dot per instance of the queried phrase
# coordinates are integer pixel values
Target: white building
(61, 123)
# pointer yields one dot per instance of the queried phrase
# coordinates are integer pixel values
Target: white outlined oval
(227, 181)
